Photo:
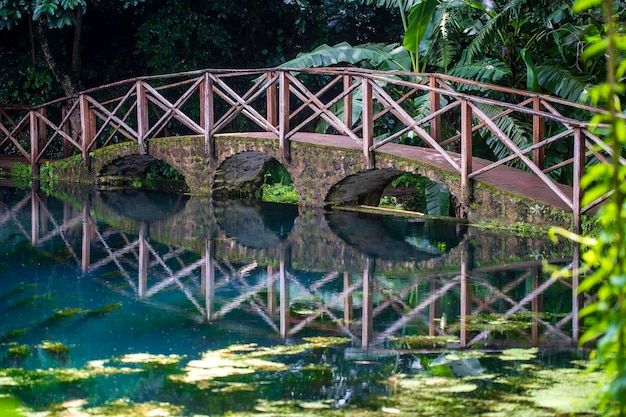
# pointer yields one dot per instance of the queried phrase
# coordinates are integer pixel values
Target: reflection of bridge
(360, 304)
(371, 115)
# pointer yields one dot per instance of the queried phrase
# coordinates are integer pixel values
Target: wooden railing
(448, 114)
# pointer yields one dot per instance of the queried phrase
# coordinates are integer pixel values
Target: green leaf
(532, 82)
(374, 54)
(595, 49)
(582, 5)
(419, 19)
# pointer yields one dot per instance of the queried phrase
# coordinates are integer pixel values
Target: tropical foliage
(604, 255)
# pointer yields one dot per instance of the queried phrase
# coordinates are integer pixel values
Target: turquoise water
(129, 297)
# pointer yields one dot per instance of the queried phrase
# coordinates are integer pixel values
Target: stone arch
(241, 174)
(362, 188)
(125, 162)
(367, 187)
(451, 181)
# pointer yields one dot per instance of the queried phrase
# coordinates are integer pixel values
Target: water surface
(146, 303)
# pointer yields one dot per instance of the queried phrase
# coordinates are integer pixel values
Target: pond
(141, 303)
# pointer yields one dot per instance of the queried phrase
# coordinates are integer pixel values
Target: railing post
(283, 115)
(368, 303)
(272, 99)
(466, 154)
(539, 125)
(35, 217)
(207, 114)
(87, 227)
(368, 123)
(144, 253)
(285, 303)
(34, 143)
(67, 150)
(87, 126)
(207, 273)
(435, 105)
(347, 102)
(142, 116)
(579, 167)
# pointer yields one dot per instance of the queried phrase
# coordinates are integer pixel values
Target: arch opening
(142, 172)
(396, 189)
(254, 175)
(413, 192)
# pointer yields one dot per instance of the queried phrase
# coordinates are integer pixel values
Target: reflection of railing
(283, 103)
(359, 306)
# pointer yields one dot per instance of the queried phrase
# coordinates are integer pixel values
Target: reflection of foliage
(502, 323)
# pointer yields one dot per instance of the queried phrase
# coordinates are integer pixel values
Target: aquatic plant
(19, 352)
(54, 348)
(12, 335)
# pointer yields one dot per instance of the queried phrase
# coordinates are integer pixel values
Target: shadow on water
(182, 305)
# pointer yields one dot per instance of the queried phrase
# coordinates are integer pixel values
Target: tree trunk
(76, 46)
(68, 84)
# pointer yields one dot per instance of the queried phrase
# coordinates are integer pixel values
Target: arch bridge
(342, 133)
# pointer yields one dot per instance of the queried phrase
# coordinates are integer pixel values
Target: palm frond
(393, 4)
(488, 71)
(561, 82)
(489, 30)
(375, 55)
(518, 131)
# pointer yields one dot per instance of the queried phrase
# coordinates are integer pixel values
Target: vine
(604, 255)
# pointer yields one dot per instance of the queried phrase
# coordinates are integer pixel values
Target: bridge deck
(504, 178)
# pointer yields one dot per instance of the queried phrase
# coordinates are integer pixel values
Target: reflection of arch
(361, 303)
(142, 205)
(254, 225)
(375, 236)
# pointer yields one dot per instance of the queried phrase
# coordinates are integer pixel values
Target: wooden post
(434, 308)
(207, 280)
(367, 308)
(283, 115)
(34, 143)
(207, 114)
(67, 150)
(539, 127)
(466, 294)
(368, 124)
(144, 253)
(142, 117)
(35, 217)
(87, 126)
(466, 155)
(347, 102)
(536, 304)
(86, 241)
(271, 290)
(347, 299)
(285, 304)
(272, 100)
(579, 167)
(435, 105)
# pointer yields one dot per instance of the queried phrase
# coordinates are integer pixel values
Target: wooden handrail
(279, 101)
